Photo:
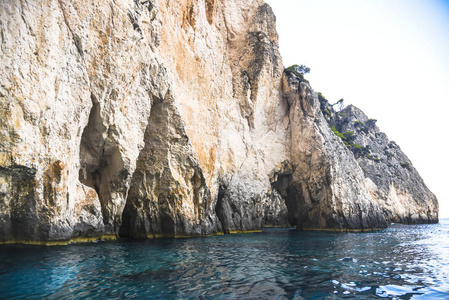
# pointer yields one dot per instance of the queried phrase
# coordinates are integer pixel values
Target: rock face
(327, 189)
(399, 189)
(175, 118)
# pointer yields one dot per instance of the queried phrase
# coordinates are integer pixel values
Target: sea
(400, 262)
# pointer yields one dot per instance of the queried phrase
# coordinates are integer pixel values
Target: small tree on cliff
(298, 69)
(339, 104)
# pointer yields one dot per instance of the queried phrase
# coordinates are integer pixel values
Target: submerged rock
(149, 119)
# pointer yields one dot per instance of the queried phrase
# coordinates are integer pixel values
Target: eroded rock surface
(399, 189)
(227, 71)
(174, 118)
(328, 189)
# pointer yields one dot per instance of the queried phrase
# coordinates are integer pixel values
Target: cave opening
(92, 148)
(282, 189)
(101, 164)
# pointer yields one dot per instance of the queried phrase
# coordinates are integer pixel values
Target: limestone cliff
(151, 118)
(328, 188)
(395, 183)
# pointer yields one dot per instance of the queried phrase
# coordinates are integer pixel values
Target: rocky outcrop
(328, 189)
(149, 119)
(395, 183)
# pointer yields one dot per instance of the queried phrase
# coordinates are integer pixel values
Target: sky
(390, 58)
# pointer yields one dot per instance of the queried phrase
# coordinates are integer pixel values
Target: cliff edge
(151, 118)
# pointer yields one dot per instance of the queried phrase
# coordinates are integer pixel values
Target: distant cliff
(155, 118)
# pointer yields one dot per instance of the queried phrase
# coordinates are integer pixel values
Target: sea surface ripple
(401, 262)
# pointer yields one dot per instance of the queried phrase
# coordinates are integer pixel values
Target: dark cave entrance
(281, 188)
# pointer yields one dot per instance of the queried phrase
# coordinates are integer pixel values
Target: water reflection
(402, 261)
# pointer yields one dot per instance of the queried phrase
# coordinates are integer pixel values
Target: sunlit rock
(155, 118)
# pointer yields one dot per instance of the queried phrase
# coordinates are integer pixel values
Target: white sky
(390, 58)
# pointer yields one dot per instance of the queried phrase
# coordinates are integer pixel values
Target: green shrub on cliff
(405, 165)
(360, 151)
(360, 126)
(298, 70)
(357, 146)
(372, 157)
(337, 133)
(339, 104)
(349, 136)
(321, 97)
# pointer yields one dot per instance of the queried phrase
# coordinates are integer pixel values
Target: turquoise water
(401, 262)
